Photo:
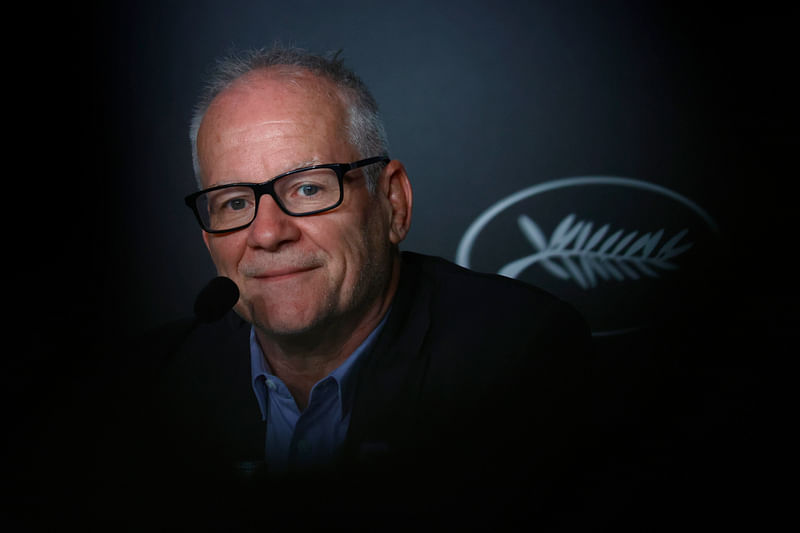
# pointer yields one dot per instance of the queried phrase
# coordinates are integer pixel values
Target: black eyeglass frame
(268, 188)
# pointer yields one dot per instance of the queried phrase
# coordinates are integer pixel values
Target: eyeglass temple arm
(368, 161)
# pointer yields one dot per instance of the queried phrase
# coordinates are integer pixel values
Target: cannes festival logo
(597, 256)
(574, 252)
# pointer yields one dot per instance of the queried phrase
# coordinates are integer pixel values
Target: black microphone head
(216, 299)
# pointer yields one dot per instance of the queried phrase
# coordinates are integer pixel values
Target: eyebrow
(304, 164)
(309, 163)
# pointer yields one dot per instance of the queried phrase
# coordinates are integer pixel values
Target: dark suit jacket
(475, 391)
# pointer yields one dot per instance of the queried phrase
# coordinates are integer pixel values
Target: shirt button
(271, 385)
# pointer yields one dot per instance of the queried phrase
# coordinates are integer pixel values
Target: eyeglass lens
(299, 193)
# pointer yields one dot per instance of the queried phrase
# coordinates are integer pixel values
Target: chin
(284, 326)
(285, 320)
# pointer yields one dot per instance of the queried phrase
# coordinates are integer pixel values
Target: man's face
(293, 273)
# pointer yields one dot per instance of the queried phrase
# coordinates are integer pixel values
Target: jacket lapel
(391, 379)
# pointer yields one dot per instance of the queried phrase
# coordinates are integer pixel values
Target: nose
(272, 228)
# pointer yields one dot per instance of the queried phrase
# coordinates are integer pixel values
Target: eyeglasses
(301, 192)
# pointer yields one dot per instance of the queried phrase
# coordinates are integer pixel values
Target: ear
(397, 190)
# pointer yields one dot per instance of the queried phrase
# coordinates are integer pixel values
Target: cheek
(225, 252)
(347, 245)
(366, 252)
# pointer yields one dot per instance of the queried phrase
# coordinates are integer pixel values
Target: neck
(300, 361)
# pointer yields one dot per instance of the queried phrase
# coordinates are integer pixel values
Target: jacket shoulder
(472, 296)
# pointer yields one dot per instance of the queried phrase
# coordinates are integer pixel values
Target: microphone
(216, 299)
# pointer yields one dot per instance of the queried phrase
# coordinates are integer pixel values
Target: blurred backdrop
(634, 158)
(481, 100)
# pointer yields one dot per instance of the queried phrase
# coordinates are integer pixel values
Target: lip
(282, 273)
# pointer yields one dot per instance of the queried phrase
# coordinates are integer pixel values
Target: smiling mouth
(282, 274)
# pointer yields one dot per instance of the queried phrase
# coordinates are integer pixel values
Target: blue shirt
(300, 440)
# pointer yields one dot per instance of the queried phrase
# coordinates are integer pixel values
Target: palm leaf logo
(575, 252)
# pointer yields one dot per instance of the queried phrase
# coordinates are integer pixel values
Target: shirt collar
(259, 370)
(344, 375)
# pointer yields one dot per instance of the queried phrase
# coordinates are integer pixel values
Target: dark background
(474, 95)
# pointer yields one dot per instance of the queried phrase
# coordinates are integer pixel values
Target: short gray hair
(364, 128)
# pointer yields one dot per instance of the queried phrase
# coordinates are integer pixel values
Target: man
(346, 359)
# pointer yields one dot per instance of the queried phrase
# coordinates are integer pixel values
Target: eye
(237, 204)
(308, 190)
(230, 200)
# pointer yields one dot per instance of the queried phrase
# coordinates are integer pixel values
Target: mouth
(282, 273)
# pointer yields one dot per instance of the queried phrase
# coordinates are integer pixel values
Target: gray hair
(365, 128)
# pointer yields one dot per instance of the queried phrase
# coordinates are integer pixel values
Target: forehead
(276, 94)
(269, 122)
